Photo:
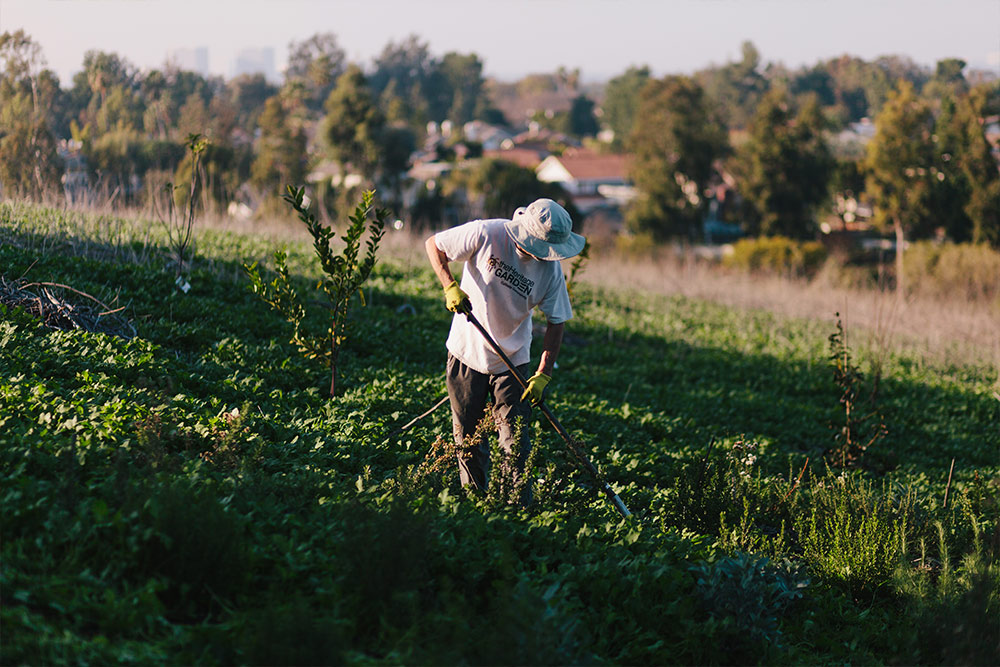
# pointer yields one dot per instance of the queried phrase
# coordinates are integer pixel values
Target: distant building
(191, 60)
(851, 141)
(594, 180)
(256, 61)
(490, 136)
(528, 158)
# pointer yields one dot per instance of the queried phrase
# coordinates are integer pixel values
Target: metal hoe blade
(583, 460)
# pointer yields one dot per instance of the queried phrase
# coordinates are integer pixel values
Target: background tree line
(928, 170)
(765, 132)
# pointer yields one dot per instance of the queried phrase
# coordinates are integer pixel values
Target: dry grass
(945, 330)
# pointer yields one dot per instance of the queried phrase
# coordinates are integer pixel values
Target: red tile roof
(589, 166)
(524, 157)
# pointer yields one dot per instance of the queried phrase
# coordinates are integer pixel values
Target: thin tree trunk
(900, 242)
(334, 353)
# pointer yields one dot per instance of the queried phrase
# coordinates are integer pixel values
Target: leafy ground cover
(190, 495)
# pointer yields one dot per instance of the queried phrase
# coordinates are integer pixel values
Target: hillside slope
(189, 496)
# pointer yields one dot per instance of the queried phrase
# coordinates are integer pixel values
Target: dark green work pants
(469, 391)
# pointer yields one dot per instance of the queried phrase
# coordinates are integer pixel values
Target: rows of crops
(190, 496)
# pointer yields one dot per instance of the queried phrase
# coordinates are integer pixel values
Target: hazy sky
(515, 37)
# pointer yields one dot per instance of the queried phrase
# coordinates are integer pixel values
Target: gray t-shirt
(504, 288)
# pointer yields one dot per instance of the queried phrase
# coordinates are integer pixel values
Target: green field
(190, 496)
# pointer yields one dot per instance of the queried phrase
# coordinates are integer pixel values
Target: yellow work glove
(456, 300)
(536, 387)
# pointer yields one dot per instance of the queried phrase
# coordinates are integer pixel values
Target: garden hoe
(587, 465)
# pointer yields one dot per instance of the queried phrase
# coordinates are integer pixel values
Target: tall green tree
(102, 73)
(353, 125)
(850, 86)
(966, 198)
(621, 101)
(281, 150)
(29, 163)
(317, 63)
(115, 160)
(248, 93)
(193, 117)
(948, 79)
(784, 167)
(408, 71)
(396, 145)
(464, 76)
(582, 121)
(900, 158)
(157, 120)
(736, 87)
(675, 141)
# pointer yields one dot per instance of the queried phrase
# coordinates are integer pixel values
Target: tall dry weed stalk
(179, 225)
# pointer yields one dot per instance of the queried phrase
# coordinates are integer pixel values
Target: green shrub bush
(853, 533)
(950, 270)
(777, 255)
(745, 596)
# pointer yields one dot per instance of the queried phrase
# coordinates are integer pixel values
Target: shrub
(777, 255)
(195, 544)
(954, 610)
(705, 490)
(853, 534)
(947, 270)
(745, 596)
(639, 245)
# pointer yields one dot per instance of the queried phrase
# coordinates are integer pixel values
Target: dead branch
(59, 313)
(71, 289)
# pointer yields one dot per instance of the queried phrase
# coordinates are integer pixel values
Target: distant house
(423, 178)
(528, 158)
(851, 141)
(490, 136)
(594, 180)
(536, 135)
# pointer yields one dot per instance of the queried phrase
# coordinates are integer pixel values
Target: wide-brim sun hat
(544, 230)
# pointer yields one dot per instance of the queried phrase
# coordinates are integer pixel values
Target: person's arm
(550, 348)
(535, 390)
(439, 262)
(455, 299)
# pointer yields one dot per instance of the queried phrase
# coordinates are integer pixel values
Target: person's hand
(536, 388)
(456, 300)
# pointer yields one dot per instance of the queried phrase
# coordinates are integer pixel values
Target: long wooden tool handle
(584, 461)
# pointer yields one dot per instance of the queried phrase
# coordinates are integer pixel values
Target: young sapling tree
(343, 275)
(863, 424)
(180, 225)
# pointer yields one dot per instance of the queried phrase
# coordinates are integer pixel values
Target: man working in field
(510, 267)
